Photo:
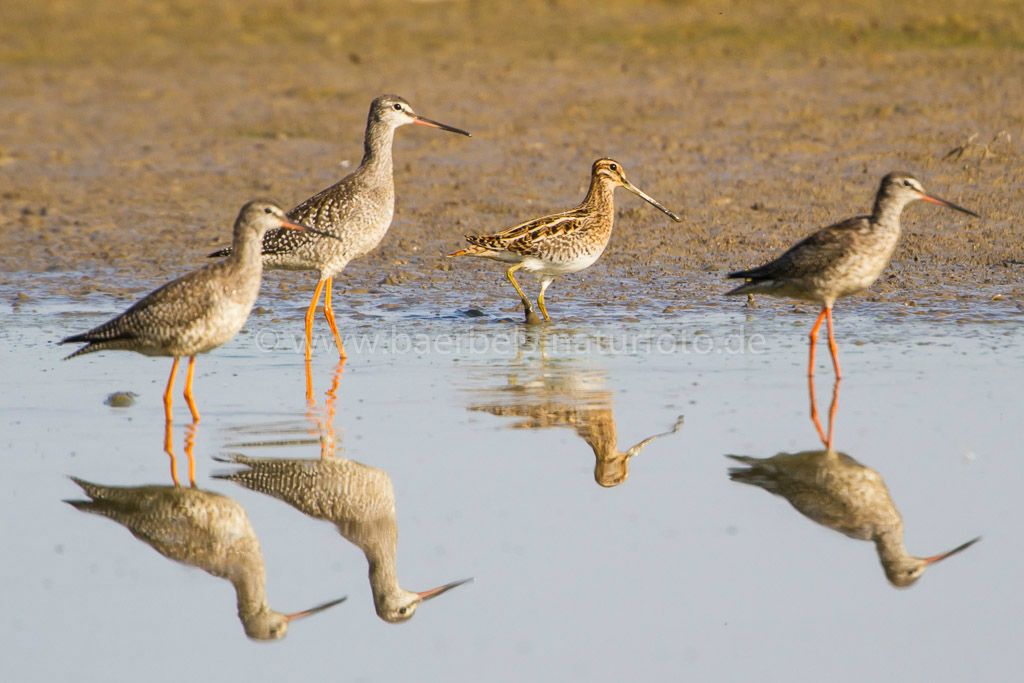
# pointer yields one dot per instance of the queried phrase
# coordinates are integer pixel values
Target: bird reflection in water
(202, 529)
(836, 491)
(557, 393)
(358, 499)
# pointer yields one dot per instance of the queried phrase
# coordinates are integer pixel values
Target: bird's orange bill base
(430, 123)
(948, 205)
(960, 548)
(313, 610)
(434, 592)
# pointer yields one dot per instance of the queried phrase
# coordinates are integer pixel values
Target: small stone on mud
(473, 313)
(121, 399)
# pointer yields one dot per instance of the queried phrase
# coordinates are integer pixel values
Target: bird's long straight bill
(431, 123)
(959, 549)
(434, 592)
(949, 205)
(306, 228)
(313, 610)
(650, 200)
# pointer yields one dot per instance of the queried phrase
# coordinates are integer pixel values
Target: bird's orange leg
(309, 318)
(169, 450)
(832, 346)
(310, 403)
(329, 314)
(190, 445)
(832, 413)
(327, 438)
(814, 341)
(814, 411)
(188, 389)
(168, 396)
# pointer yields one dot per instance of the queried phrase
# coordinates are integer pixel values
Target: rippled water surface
(519, 459)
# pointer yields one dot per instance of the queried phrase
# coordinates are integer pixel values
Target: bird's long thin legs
(188, 389)
(826, 437)
(531, 317)
(832, 346)
(540, 298)
(190, 444)
(329, 314)
(309, 318)
(814, 341)
(168, 393)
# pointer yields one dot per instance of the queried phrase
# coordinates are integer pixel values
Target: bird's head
(905, 188)
(398, 606)
(266, 624)
(905, 571)
(611, 171)
(395, 111)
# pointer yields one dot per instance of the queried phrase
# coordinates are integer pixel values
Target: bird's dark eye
(402, 610)
(267, 210)
(907, 183)
(614, 167)
(398, 107)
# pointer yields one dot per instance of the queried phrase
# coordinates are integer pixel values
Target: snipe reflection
(836, 491)
(198, 528)
(544, 393)
(358, 499)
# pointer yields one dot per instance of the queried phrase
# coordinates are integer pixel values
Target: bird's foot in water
(531, 316)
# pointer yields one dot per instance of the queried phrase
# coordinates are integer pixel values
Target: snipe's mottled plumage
(199, 311)
(359, 500)
(841, 259)
(357, 210)
(201, 529)
(836, 491)
(561, 243)
(570, 398)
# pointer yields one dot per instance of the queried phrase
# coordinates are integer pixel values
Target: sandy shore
(125, 164)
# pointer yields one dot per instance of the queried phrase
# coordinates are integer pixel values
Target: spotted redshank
(836, 491)
(360, 501)
(197, 312)
(561, 243)
(201, 529)
(357, 210)
(841, 259)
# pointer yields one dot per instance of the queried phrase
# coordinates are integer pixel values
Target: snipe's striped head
(395, 111)
(611, 171)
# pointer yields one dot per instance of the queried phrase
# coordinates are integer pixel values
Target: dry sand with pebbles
(133, 131)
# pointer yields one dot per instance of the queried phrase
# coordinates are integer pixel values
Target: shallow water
(489, 436)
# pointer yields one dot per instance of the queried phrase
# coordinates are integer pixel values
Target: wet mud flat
(129, 145)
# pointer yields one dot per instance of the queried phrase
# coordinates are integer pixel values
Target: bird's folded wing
(524, 238)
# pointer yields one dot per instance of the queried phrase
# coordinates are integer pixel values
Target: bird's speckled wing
(175, 305)
(323, 211)
(526, 237)
(812, 254)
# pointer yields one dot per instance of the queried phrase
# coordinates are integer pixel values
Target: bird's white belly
(574, 265)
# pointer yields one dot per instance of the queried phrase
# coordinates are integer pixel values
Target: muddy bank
(125, 168)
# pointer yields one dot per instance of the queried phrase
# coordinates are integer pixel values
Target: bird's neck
(246, 247)
(600, 196)
(889, 545)
(383, 576)
(377, 148)
(250, 593)
(886, 212)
